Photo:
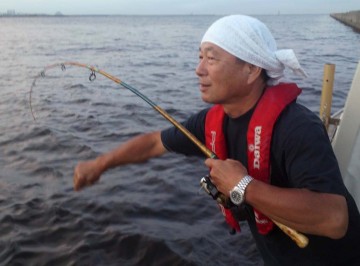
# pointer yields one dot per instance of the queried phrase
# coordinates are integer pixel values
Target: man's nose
(201, 69)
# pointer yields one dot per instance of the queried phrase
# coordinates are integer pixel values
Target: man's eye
(207, 58)
(212, 59)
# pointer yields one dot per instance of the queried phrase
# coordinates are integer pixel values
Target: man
(276, 159)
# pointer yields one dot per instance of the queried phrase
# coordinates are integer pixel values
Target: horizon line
(59, 14)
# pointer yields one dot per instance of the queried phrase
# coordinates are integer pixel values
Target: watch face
(236, 197)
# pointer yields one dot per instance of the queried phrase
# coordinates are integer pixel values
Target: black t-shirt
(301, 157)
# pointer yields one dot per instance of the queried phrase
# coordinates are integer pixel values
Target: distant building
(11, 12)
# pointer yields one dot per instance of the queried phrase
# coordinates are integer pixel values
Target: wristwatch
(237, 194)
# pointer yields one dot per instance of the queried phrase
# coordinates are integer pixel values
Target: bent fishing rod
(300, 239)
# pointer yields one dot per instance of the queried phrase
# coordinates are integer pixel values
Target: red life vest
(271, 104)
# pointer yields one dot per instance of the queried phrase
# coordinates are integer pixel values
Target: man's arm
(136, 150)
(306, 211)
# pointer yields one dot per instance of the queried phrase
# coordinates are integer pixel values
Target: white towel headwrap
(251, 41)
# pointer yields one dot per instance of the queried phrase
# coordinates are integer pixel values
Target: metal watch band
(237, 194)
(244, 182)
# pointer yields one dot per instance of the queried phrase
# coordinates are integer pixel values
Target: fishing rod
(300, 239)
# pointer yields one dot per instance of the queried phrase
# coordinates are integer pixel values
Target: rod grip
(301, 240)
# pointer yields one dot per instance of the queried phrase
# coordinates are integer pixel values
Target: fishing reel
(238, 212)
(211, 189)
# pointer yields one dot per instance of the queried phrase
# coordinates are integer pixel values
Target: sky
(178, 7)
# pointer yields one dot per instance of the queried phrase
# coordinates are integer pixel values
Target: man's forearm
(136, 150)
(301, 209)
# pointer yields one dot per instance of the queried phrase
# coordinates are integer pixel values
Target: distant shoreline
(99, 15)
(114, 15)
(40, 15)
(351, 19)
(10, 15)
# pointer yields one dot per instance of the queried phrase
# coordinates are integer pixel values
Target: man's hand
(86, 173)
(225, 174)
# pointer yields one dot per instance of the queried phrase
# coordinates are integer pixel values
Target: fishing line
(92, 77)
(205, 182)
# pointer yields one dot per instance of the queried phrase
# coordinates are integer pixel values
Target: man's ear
(254, 72)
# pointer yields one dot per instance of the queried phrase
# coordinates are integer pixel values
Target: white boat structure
(344, 129)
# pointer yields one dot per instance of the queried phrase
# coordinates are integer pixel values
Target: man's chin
(206, 99)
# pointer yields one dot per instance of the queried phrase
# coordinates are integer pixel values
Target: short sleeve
(302, 146)
(175, 141)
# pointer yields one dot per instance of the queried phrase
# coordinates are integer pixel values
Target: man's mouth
(203, 86)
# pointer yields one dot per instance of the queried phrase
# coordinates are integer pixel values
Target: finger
(78, 182)
(209, 162)
(89, 182)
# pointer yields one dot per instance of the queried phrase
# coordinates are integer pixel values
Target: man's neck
(243, 104)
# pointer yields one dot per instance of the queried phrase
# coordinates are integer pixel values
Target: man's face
(222, 77)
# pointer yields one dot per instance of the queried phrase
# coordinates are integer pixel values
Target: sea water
(146, 214)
